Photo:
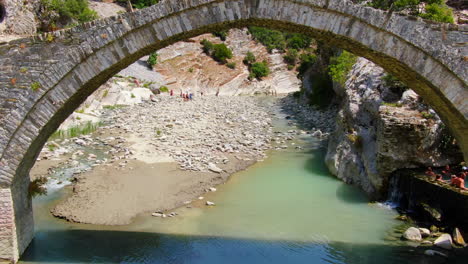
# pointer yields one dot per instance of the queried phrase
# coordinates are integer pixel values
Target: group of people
(456, 179)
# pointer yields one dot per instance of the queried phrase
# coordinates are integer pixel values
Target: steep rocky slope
(185, 66)
(379, 130)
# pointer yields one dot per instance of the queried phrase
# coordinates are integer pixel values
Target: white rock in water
(80, 142)
(157, 214)
(444, 241)
(412, 234)
(214, 168)
(210, 203)
(317, 133)
(431, 252)
(201, 198)
(212, 189)
(424, 232)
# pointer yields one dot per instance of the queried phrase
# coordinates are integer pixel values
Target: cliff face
(374, 137)
(185, 66)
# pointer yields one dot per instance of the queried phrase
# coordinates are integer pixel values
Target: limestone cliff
(379, 130)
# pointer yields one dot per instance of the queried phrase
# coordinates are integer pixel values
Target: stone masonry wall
(7, 227)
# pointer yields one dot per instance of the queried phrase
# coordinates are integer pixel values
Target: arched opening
(64, 86)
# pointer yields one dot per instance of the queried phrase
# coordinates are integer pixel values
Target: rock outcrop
(379, 130)
(185, 66)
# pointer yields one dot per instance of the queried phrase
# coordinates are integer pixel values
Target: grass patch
(392, 104)
(163, 89)
(74, 131)
(35, 86)
(113, 107)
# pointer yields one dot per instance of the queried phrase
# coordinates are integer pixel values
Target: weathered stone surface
(412, 234)
(374, 137)
(44, 78)
(444, 241)
(458, 238)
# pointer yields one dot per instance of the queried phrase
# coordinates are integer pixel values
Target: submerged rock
(210, 203)
(431, 252)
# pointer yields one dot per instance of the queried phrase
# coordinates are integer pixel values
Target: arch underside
(92, 58)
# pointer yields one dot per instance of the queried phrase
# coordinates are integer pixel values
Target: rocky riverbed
(166, 152)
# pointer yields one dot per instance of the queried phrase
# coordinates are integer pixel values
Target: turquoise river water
(286, 209)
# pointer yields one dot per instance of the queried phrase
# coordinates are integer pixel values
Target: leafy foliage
(340, 66)
(77, 10)
(274, 39)
(219, 52)
(139, 4)
(231, 65)
(291, 57)
(307, 60)
(152, 60)
(394, 84)
(259, 70)
(249, 58)
(163, 89)
(221, 34)
(438, 12)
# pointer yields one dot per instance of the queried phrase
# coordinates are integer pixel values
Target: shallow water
(286, 209)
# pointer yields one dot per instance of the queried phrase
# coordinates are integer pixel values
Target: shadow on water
(94, 246)
(315, 165)
(351, 194)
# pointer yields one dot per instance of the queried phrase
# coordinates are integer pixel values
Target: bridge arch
(43, 79)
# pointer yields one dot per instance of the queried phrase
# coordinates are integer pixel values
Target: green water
(286, 209)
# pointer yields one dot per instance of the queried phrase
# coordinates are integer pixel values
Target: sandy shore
(110, 196)
(157, 156)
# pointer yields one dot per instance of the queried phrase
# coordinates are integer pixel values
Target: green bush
(271, 39)
(298, 41)
(152, 60)
(163, 89)
(249, 58)
(231, 65)
(438, 12)
(77, 10)
(259, 70)
(207, 46)
(221, 34)
(307, 60)
(291, 57)
(340, 66)
(221, 53)
(139, 4)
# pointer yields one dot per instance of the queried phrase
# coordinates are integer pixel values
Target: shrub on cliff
(139, 4)
(75, 10)
(152, 60)
(221, 34)
(340, 66)
(249, 58)
(259, 70)
(221, 53)
(291, 57)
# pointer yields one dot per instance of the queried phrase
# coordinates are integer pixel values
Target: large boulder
(458, 238)
(412, 234)
(444, 241)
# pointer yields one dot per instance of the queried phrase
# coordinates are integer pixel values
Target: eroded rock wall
(379, 130)
(17, 17)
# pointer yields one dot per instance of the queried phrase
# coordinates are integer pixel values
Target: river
(285, 209)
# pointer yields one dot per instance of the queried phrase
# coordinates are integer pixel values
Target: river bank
(156, 156)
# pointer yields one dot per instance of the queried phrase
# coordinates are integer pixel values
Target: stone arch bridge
(44, 78)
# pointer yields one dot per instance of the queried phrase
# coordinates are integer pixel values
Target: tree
(291, 57)
(340, 66)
